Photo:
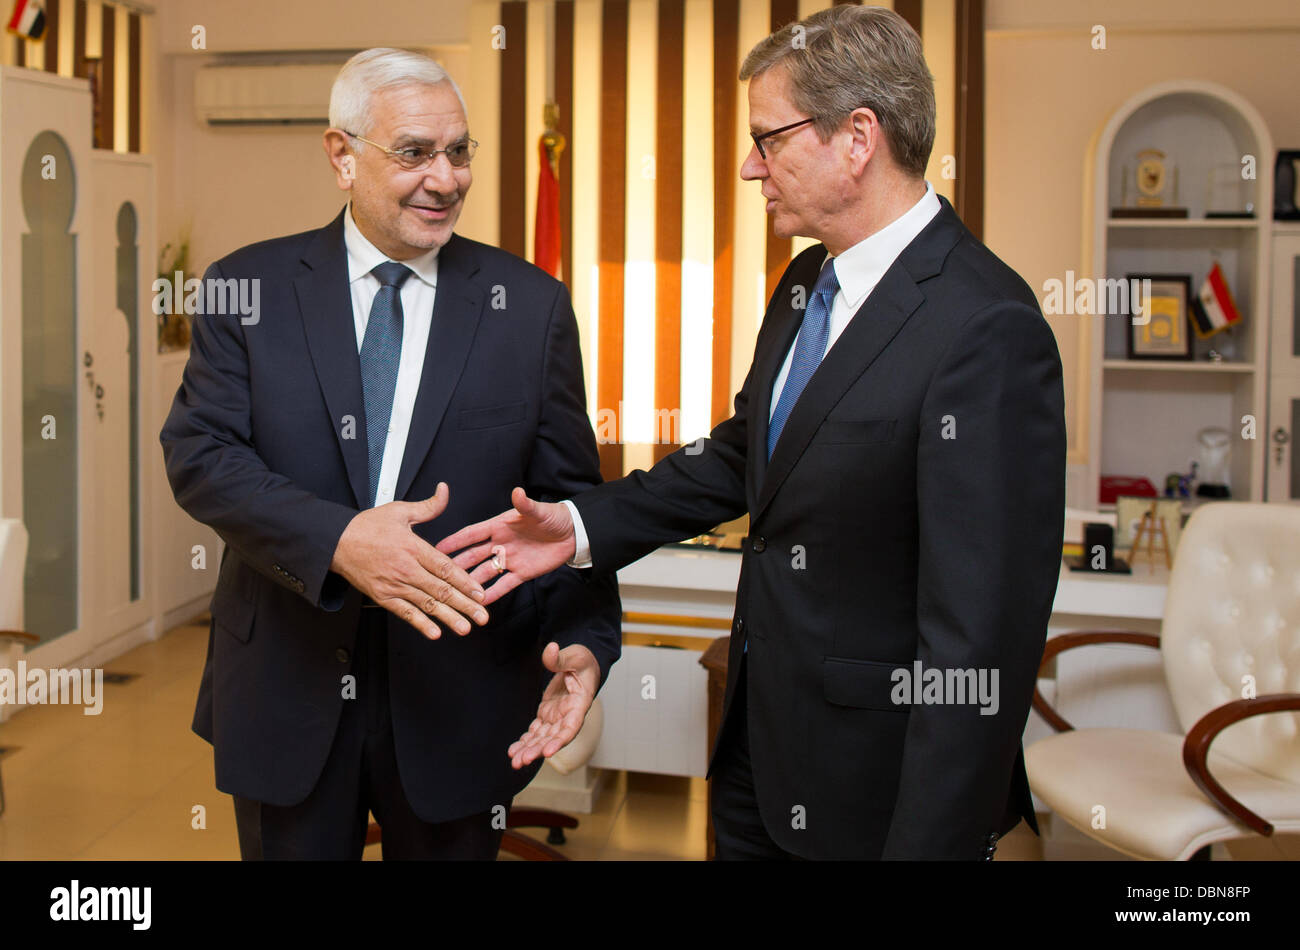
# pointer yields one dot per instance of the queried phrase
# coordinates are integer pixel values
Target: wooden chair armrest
(1196, 751)
(1068, 641)
(19, 635)
(530, 849)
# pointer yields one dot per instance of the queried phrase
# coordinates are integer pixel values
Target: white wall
(240, 25)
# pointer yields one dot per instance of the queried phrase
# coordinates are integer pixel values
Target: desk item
(1112, 486)
(1180, 485)
(714, 541)
(1151, 526)
(1129, 511)
(1098, 551)
(1216, 451)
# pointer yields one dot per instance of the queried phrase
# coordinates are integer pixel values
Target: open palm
(564, 705)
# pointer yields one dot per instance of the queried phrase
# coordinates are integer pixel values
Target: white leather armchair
(1230, 642)
(13, 562)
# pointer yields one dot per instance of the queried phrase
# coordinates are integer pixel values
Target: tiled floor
(136, 783)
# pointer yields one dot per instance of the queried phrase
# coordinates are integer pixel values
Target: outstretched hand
(381, 556)
(564, 704)
(531, 539)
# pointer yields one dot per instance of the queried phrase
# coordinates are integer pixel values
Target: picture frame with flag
(1165, 333)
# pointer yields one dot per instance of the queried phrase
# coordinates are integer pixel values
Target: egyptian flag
(28, 19)
(1214, 309)
(546, 229)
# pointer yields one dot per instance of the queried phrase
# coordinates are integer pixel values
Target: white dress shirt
(417, 293)
(858, 270)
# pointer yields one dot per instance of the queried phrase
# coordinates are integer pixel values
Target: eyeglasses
(414, 159)
(758, 139)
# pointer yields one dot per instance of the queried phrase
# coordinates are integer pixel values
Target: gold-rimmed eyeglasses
(413, 158)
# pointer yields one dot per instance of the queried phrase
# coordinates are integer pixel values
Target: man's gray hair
(849, 57)
(372, 70)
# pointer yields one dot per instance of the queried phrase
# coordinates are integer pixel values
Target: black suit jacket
(913, 509)
(259, 447)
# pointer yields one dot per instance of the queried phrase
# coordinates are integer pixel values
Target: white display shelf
(1185, 223)
(1143, 417)
(1175, 366)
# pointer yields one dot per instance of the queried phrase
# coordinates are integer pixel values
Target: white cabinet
(77, 369)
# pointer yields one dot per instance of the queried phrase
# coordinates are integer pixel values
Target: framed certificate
(1163, 331)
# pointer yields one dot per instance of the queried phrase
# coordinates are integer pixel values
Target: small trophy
(1155, 188)
(1228, 195)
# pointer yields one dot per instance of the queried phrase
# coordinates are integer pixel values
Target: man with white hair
(397, 373)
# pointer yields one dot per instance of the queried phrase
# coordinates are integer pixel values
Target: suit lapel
(325, 305)
(889, 305)
(457, 309)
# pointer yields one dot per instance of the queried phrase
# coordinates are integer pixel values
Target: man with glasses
(899, 445)
(397, 374)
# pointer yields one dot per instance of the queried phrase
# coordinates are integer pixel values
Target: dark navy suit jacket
(912, 511)
(266, 444)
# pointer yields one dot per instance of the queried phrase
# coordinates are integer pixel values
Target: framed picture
(1129, 510)
(1166, 333)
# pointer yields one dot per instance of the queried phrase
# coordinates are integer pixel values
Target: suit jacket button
(759, 544)
(342, 655)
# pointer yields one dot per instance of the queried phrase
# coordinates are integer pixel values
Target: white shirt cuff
(582, 548)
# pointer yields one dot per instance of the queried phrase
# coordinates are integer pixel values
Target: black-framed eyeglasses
(758, 139)
(413, 158)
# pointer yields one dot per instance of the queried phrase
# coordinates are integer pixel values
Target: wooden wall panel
(910, 10)
(564, 100)
(514, 185)
(51, 36)
(133, 83)
(612, 241)
(726, 66)
(668, 222)
(970, 115)
(107, 77)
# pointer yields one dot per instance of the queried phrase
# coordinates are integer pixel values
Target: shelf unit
(1143, 417)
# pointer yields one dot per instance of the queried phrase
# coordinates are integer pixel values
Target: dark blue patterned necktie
(808, 350)
(381, 352)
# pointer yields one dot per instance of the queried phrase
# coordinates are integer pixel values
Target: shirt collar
(860, 268)
(363, 257)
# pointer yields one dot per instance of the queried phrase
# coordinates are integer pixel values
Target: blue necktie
(808, 350)
(381, 352)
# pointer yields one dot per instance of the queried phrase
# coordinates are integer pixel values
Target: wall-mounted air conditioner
(284, 94)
